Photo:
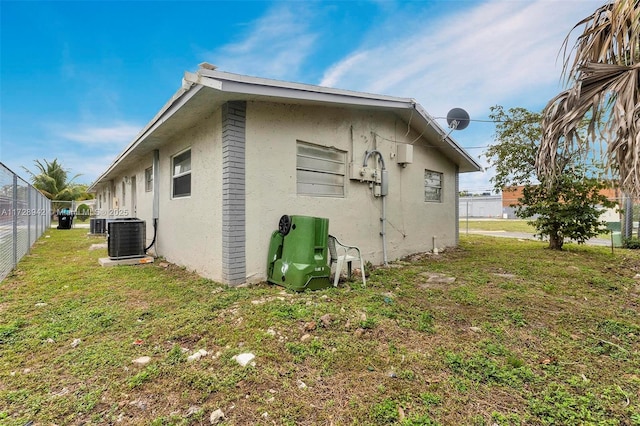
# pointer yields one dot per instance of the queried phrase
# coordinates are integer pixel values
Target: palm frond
(605, 73)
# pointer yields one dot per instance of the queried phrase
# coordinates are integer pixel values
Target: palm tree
(604, 80)
(52, 180)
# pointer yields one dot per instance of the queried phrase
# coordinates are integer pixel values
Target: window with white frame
(148, 179)
(181, 174)
(432, 186)
(320, 170)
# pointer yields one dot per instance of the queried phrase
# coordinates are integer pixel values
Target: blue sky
(79, 80)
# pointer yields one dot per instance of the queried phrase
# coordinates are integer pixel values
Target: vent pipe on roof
(207, 66)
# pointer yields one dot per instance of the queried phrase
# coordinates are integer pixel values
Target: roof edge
(242, 84)
(448, 139)
(222, 76)
(178, 95)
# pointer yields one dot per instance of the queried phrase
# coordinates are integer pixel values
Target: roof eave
(230, 83)
(180, 98)
(235, 83)
(466, 163)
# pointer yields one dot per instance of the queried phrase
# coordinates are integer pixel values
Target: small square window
(432, 186)
(181, 176)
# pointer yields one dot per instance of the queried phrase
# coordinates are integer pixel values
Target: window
(320, 171)
(432, 186)
(148, 179)
(181, 174)
(124, 192)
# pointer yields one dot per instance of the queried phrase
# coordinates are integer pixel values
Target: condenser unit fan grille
(126, 238)
(98, 226)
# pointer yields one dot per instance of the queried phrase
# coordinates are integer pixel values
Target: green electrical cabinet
(298, 251)
(616, 234)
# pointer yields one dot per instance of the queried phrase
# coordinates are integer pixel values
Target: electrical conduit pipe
(383, 219)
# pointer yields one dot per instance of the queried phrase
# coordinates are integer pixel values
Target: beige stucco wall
(272, 133)
(190, 228)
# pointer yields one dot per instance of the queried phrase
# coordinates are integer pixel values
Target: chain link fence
(24, 215)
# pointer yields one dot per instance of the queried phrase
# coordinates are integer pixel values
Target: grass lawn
(522, 336)
(508, 225)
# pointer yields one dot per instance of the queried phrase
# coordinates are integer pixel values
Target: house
(512, 194)
(229, 155)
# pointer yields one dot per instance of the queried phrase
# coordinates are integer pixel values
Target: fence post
(14, 217)
(28, 218)
(37, 211)
(627, 228)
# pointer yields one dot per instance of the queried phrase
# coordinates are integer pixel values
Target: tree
(604, 89)
(83, 212)
(570, 207)
(566, 205)
(52, 180)
(518, 138)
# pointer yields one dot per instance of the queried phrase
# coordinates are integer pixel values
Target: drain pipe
(384, 188)
(383, 219)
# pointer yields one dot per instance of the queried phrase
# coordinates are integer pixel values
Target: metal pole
(28, 211)
(467, 217)
(15, 220)
(628, 217)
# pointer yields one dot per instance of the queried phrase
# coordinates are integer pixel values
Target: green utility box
(298, 251)
(616, 234)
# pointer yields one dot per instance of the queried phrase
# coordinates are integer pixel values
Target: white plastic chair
(341, 254)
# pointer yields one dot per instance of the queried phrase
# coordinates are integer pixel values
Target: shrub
(83, 212)
(632, 243)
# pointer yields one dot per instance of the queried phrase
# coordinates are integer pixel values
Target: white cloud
(89, 166)
(498, 52)
(276, 47)
(337, 72)
(119, 134)
(492, 53)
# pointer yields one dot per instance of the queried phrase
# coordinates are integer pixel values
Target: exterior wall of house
(191, 230)
(272, 133)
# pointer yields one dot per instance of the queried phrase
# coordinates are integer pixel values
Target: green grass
(508, 225)
(524, 335)
(504, 225)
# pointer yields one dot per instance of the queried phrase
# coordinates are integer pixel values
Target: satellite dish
(458, 119)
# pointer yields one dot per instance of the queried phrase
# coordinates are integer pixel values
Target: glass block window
(432, 186)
